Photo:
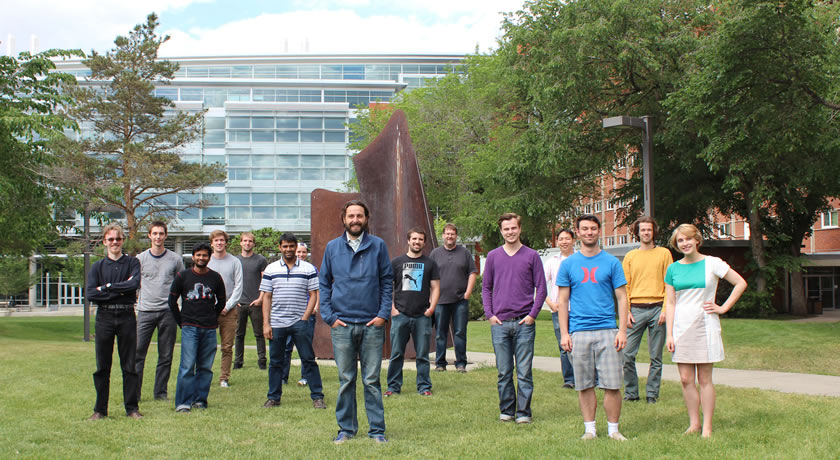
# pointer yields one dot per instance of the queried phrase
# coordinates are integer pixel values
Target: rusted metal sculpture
(390, 184)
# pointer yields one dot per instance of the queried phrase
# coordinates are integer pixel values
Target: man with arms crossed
(566, 243)
(416, 292)
(250, 304)
(587, 280)
(112, 285)
(512, 274)
(231, 270)
(158, 267)
(644, 269)
(202, 294)
(289, 290)
(356, 283)
(457, 280)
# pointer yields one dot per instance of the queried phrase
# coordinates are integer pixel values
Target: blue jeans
(420, 329)
(458, 314)
(512, 340)
(568, 372)
(352, 344)
(301, 335)
(290, 345)
(646, 319)
(198, 350)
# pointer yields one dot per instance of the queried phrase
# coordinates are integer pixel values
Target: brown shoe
(319, 404)
(97, 416)
(272, 403)
(136, 415)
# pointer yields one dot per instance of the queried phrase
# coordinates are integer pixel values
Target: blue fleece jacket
(356, 287)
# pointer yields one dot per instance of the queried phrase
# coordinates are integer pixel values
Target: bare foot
(706, 434)
(692, 430)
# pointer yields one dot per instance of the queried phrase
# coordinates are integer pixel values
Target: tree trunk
(757, 247)
(798, 296)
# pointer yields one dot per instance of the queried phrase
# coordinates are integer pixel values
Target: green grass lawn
(47, 392)
(773, 345)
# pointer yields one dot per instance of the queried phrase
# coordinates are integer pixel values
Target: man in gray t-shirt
(250, 304)
(158, 267)
(457, 279)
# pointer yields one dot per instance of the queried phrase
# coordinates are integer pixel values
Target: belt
(646, 305)
(116, 306)
(518, 318)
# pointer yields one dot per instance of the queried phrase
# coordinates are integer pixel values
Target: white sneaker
(505, 417)
(224, 384)
(301, 383)
(587, 436)
(618, 436)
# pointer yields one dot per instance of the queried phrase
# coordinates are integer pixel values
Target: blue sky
(260, 27)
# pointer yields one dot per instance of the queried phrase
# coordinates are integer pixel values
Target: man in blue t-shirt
(587, 281)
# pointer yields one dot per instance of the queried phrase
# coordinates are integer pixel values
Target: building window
(597, 206)
(610, 241)
(829, 219)
(622, 239)
(724, 230)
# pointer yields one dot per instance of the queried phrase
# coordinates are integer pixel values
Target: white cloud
(337, 31)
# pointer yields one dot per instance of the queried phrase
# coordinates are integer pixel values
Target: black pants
(254, 313)
(121, 324)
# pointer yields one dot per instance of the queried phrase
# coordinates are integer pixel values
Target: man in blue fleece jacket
(356, 283)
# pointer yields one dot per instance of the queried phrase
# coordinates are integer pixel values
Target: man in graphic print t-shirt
(416, 292)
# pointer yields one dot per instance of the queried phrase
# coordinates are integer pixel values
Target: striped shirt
(289, 290)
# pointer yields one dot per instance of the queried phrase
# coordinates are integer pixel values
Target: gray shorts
(595, 351)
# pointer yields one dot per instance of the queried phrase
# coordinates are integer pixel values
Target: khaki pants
(227, 333)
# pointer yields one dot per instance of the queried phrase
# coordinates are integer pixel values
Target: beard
(355, 234)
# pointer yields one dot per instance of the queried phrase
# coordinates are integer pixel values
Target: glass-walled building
(279, 125)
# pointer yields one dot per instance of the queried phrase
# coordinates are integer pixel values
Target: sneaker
(342, 438)
(631, 398)
(319, 404)
(426, 393)
(199, 405)
(569, 385)
(461, 369)
(97, 416)
(272, 403)
(440, 369)
(224, 384)
(262, 366)
(651, 400)
(505, 417)
(588, 436)
(524, 420)
(237, 366)
(136, 415)
(302, 383)
(379, 438)
(161, 398)
(389, 393)
(183, 410)
(618, 436)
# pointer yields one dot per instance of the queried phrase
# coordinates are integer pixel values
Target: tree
(267, 243)
(129, 159)
(14, 275)
(30, 115)
(757, 107)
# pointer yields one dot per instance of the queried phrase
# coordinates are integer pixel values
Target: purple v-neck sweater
(509, 283)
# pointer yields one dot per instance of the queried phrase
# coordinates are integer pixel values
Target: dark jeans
(566, 364)
(301, 335)
(290, 345)
(167, 328)
(458, 314)
(353, 345)
(514, 345)
(195, 374)
(420, 329)
(255, 313)
(109, 324)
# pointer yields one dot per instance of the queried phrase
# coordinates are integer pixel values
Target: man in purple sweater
(512, 275)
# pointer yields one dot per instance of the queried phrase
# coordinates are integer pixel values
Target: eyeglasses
(112, 240)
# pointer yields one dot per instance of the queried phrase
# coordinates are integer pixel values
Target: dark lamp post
(645, 125)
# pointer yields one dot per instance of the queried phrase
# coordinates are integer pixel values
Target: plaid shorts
(595, 351)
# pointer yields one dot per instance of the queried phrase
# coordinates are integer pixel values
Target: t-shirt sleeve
(719, 267)
(669, 275)
(435, 271)
(618, 275)
(471, 262)
(265, 283)
(563, 278)
(313, 280)
(263, 264)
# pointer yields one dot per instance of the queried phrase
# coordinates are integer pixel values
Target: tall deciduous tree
(759, 106)
(30, 115)
(129, 159)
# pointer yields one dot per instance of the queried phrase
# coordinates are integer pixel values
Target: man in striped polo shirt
(291, 290)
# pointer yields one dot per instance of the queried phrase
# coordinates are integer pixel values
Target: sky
(260, 27)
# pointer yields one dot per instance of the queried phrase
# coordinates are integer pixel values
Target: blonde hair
(113, 226)
(217, 233)
(688, 230)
